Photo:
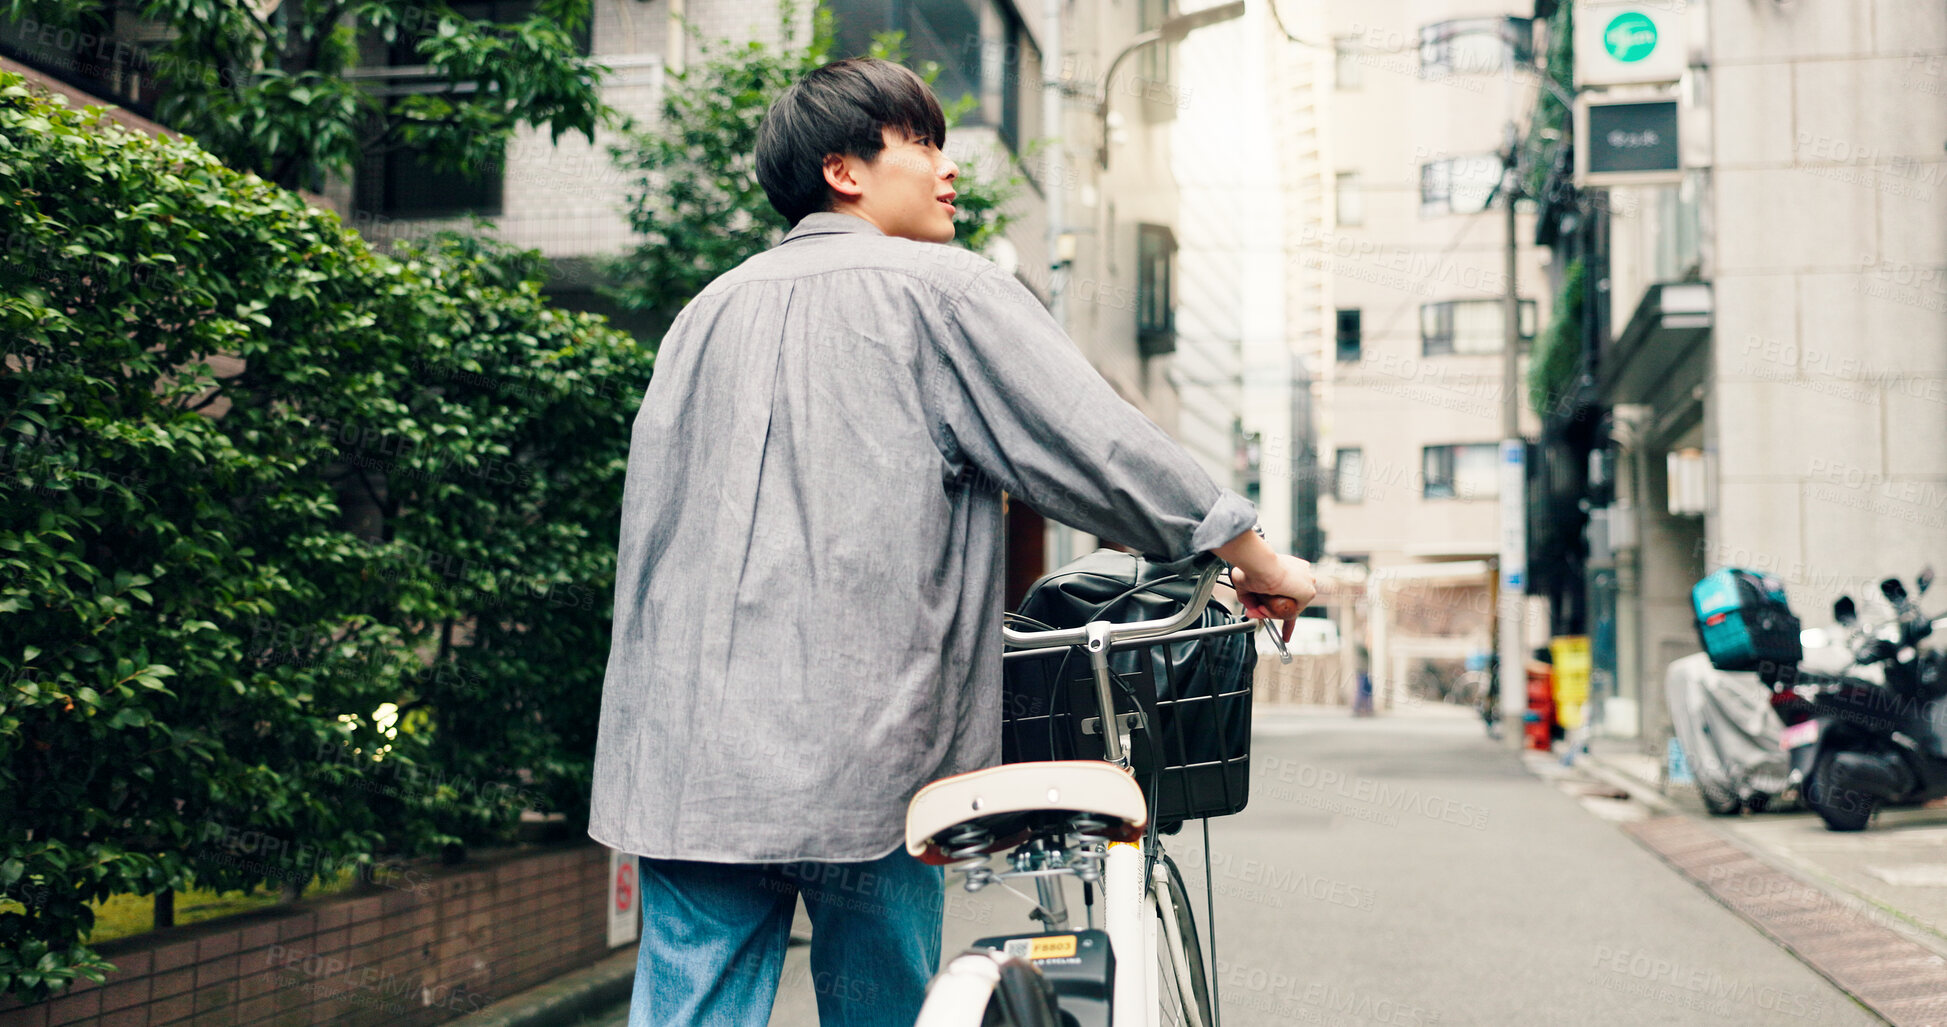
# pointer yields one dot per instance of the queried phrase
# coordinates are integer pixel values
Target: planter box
(438, 946)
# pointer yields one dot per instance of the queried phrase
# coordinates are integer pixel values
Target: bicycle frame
(1132, 915)
(1138, 915)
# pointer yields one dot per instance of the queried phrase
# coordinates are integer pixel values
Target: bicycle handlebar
(1206, 584)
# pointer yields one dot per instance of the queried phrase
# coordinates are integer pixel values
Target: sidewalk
(565, 999)
(1866, 909)
(1899, 864)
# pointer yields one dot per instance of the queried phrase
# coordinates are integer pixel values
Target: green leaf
(230, 557)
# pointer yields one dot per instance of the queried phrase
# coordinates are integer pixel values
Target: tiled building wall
(446, 945)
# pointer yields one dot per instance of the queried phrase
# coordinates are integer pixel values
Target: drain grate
(1850, 943)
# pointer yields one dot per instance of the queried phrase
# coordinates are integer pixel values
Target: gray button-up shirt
(808, 591)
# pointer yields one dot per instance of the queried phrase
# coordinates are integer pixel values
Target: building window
(403, 50)
(1351, 201)
(1467, 46)
(1468, 326)
(1469, 471)
(1350, 342)
(980, 47)
(403, 183)
(1155, 295)
(1458, 185)
(1010, 86)
(1347, 72)
(1349, 475)
(1153, 61)
(96, 49)
(1248, 459)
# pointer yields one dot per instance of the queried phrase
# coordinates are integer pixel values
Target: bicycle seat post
(1053, 910)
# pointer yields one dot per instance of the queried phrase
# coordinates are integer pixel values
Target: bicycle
(1086, 819)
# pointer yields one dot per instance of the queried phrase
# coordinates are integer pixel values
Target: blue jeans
(714, 935)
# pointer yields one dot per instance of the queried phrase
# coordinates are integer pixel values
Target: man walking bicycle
(807, 595)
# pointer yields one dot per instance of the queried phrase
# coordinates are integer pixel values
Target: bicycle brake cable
(1210, 914)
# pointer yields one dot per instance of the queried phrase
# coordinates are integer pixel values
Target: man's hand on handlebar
(1270, 585)
(1277, 592)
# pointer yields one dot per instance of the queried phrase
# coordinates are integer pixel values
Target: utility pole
(1052, 96)
(1510, 300)
(1053, 125)
(1511, 593)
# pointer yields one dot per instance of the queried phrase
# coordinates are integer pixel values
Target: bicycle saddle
(1009, 801)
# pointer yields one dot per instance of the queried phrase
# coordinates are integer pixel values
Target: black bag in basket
(1192, 756)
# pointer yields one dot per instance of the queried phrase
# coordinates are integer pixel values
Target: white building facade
(1411, 387)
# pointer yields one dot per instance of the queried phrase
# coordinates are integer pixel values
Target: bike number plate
(1060, 946)
(1804, 733)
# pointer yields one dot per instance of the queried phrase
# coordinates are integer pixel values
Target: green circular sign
(1630, 37)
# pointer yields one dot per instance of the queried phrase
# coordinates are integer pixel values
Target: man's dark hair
(840, 108)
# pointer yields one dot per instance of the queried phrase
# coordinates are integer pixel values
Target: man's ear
(841, 174)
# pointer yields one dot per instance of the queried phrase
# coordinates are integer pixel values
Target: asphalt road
(1406, 871)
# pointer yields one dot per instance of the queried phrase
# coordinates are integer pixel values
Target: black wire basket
(1191, 751)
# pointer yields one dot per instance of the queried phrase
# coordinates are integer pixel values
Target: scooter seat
(1010, 801)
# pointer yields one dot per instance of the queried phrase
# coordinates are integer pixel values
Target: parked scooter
(1728, 730)
(1876, 732)
(1722, 717)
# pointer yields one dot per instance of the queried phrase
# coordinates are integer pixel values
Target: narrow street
(1407, 871)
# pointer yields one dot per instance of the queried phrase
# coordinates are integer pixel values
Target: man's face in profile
(906, 191)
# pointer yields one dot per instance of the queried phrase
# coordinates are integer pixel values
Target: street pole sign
(624, 899)
(1626, 142)
(1514, 521)
(1511, 608)
(1628, 43)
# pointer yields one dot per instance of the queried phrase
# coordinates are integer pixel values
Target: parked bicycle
(1086, 819)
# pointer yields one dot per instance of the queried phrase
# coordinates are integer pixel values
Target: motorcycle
(1875, 732)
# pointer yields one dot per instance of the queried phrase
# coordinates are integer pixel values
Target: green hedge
(306, 552)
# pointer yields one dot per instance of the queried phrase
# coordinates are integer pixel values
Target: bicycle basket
(1192, 757)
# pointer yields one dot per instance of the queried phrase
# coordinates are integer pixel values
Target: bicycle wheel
(1183, 942)
(983, 988)
(1022, 998)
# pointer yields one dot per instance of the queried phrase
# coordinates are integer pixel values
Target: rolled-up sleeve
(1016, 400)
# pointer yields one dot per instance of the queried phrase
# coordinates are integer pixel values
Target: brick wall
(445, 945)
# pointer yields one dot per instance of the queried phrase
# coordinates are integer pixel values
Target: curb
(1642, 791)
(562, 1000)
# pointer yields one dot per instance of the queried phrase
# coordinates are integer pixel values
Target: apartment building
(1410, 383)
